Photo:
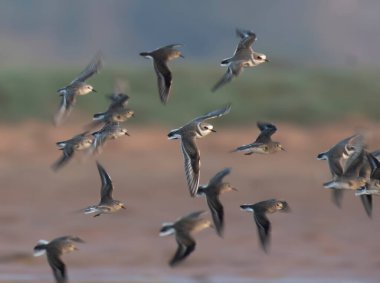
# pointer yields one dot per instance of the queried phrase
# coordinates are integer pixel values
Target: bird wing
(245, 42)
(67, 154)
(92, 68)
(367, 204)
(217, 212)
(57, 265)
(66, 104)
(267, 130)
(233, 70)
(186, 245)
(192, 163)
(214, 114)
(218, 178)
(107, 187)
(263, 228)
(164, 79)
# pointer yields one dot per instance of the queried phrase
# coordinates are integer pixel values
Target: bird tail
(225, 62)
(40, 248)
(246, 207)
(145, 54)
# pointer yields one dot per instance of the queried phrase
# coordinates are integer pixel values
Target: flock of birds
(351, 165)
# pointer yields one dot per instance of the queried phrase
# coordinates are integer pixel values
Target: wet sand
(316, 242)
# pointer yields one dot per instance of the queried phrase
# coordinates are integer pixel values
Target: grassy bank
(301, 96)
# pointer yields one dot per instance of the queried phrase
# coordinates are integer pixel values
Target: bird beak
(182, 56)
(94, 90)
(126, 133)
(123, 207)
(212, 130)
(235, 189)
(266, 60)
(283, 149)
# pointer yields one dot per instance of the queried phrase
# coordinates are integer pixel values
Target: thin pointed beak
(94, 90)
(235, 189)
(283, 149)
(126, 133)
(182, 56)
(266, 60)
(123, 207)
(212, 130)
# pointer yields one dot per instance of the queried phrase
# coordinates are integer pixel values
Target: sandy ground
(316, 241)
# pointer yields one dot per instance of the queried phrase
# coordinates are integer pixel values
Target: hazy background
(321, 85)
(322, 53)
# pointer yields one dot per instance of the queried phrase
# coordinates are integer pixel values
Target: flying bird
(54, 250)
(182, 229)
(107, 204)
(188, 133)
(263, 143)
(160, 58)
(212, 190)
(260, 210)
(243, 57)
(68, 147)
(77, 87)
(108, 132)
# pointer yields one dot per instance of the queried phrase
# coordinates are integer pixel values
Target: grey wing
(164, 80)
(217, 213)
(192, 163)
(218, 178)
(367, 204)
(107, 187)
(245, 42)
(335, 166)
(267, 130)
(263, 228)
(355, 149)
(58, 267)
(243, 33)
(92, 68)
(67, 154)
(66, 105)
(214, 114)
(186, 245)
(191, 217)
(337, 197)
(227, 77)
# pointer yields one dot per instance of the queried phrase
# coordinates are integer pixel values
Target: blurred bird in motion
(244, 57)
(182, 228)
(54, 250)
(260, 210)
(160, 58)
(211, 191)
(188, 133)
(107, 204)
(110, 131)
(263, 143)
(79, 142)
(77, 87)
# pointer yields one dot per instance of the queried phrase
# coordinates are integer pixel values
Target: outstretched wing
(192, 163)
(57, 265)
(186, 245)
(217, 213)
(66, 104)
(107, 187)
(263, 228)
(218, 178)
(214, 114)
(92, 68)
(164, 79)
(267, 130)
(67, 154)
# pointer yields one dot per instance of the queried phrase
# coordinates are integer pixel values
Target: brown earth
(316, 240)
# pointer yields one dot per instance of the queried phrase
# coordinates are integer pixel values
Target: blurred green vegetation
(282, 94)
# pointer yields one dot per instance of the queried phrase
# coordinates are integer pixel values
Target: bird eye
(279, 205)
